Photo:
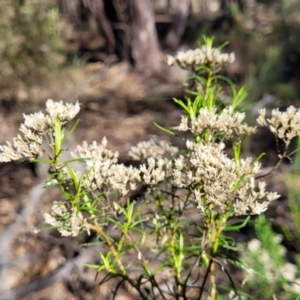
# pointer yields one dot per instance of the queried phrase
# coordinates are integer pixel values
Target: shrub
(30, 43)
(192, 195)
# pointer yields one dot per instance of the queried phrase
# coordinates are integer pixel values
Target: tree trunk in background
(128, 25)
(144, 43)
(180, 12)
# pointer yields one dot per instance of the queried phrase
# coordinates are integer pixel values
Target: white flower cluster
(215, 179)
(156, 170)
(68, 223)
(205, 55)
(103, 169)
(204, 168)
(158, 149)
(103, 172)
(218, 181)
(157, 157)
(228, 123)
(65, 112)
(285, 125)
(35, 127)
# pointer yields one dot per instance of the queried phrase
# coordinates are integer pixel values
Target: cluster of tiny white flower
(203, 168)
(34, 128)
(228, 123)
(156, 170)
(65, 111)
(284, 125)
(203, 56)
(157, 159)
(153, 147)
(67, 223)
(103, 171)
(215, 179)
(218, 181)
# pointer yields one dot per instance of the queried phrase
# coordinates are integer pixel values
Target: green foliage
(30, 43)
(292, 231)
(269, 276)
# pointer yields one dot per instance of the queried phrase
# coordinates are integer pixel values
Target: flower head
(228, 123)
(103, 170)
(34, 128)
(69, 223)
(285, 125)
(203, 56)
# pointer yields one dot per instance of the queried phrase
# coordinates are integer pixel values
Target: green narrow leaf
(197, 77)
(235, 225)
(91, 266)
(71, 131)
(180, 102)
(231, 84)
(164, 129)
(240, 96)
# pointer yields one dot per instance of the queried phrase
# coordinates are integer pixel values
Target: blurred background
(111, 56)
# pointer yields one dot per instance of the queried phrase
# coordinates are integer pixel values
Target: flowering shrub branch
(193, 195)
